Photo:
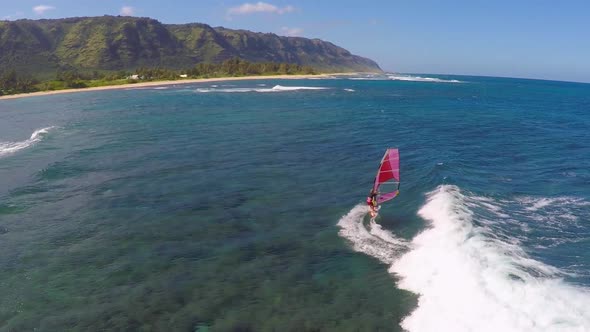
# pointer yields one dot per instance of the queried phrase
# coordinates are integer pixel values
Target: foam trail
(373, 241)
(7, 148)
(469, 280)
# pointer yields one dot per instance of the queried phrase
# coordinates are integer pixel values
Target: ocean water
(239, 207)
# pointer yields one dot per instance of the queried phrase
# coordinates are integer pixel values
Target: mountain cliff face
(114, 43)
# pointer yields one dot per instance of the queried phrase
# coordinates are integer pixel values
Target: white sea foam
(349, 90)
(276, 88)
(539, 203)
(468, 276)
(7, 148)
(373, 241)
(402, 77)
(469, 280)
(292, 88)
(397, 77)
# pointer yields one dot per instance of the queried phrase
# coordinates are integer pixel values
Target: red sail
(388, 173)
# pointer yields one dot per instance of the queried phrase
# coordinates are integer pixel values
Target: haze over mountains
(126, 43)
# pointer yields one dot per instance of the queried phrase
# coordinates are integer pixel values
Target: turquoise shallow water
(236, 207)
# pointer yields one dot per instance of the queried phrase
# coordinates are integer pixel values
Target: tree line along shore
(13, 82)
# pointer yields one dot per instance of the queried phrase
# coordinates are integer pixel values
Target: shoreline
(162, 83)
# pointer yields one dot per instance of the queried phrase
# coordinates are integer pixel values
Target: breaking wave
(395, 77)
(471, 276)
(401, 77)
(7, 148)
(276, 88)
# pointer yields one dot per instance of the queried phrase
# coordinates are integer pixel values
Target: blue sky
(526, 38)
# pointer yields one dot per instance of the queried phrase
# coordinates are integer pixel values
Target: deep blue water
(234, 206)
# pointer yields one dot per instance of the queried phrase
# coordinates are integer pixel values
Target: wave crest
(466, 274)
(276, 88)
(420, 79)
(7, 148)
(402, 77)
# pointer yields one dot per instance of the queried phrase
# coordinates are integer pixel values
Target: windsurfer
(372, 202)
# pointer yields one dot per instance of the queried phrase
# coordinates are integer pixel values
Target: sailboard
(387, 180)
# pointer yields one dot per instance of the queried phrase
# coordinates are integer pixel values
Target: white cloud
(292, 32)
(127, 11)
(41, 9)
(259, 7)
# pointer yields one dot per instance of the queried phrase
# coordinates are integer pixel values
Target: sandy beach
(161, 83)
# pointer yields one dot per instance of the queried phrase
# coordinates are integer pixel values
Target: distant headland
(39, 54)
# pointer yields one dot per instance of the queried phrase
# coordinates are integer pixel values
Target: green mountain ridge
(126, 43)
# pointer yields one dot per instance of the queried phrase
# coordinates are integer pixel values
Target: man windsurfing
(372, 203)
